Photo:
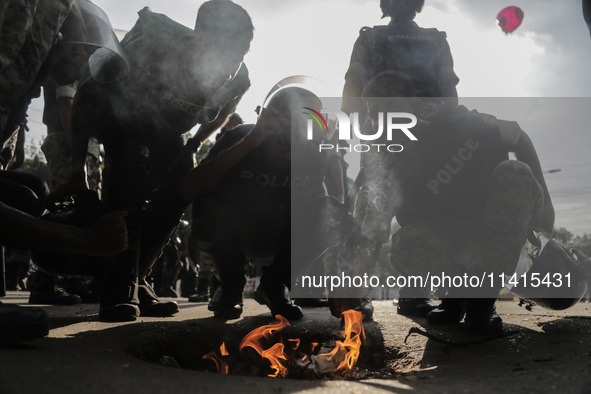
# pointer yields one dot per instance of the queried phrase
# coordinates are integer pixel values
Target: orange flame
(295, 343)
(346, 353)
(223, 350)
(349, 349)
(274, 354)
(220, 364)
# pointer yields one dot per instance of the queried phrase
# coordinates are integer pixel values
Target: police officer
(421, 53)
(463, 207)
(178, 77)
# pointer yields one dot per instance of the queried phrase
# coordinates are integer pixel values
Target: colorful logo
(317, 117)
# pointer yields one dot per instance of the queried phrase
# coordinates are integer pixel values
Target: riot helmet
(86, 35)
(555, 279)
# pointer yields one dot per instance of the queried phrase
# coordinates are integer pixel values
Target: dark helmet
(555, 280)
(285, 99)
(292, 102)
(225, 22)
(87, 26)
(388, 10)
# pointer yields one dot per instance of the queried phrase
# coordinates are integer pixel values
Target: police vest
(411, 50)
(446, 173)
(163, 87)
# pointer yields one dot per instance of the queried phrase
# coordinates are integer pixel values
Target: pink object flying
(510, 18)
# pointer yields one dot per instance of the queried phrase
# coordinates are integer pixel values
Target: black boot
(119, 301)
(366, 309)
(149, 304)
(189, 278)
(419, 307)
(277, 299)
(159, 221)
(227, 302)
(45, 289)
(150, 230)
(202, 294)
(482, 317)
(85, 288)
(171, 268)
(228, 263)
(450, 311)
(273, 289)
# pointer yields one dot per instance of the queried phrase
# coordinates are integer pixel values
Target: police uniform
(266, 208)
(464, 208)
(29, 31)
(423, 54)
(247, 216)
(140, 121)
(57, 146)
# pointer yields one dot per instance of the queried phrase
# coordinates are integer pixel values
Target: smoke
(223, 31)
(180, 78)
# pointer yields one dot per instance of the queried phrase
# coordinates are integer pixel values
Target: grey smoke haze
(548, 56)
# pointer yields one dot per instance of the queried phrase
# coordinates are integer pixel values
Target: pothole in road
(309, 349)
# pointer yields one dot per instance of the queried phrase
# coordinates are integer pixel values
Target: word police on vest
(453, 166)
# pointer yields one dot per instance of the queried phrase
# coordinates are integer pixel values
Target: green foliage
(563, 235)
(582, 244)
(35, 162)
(33, 151)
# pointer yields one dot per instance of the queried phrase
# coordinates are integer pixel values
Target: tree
(563, 235)
(35, 162)
(582, 244)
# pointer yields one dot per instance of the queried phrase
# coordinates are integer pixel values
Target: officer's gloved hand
(186, 155)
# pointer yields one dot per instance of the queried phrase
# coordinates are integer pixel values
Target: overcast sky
(549, 55)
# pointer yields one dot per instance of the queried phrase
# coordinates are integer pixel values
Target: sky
(548, 56)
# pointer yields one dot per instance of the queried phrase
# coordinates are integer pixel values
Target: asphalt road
(543, 352)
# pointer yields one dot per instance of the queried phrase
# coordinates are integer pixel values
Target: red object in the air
(510, 18)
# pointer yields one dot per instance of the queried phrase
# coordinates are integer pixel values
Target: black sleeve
(228, 139)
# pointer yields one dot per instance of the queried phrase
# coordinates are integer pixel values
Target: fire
(342, 358)
(275, 354)
(223, 350)
(220, 364)
(349, 349)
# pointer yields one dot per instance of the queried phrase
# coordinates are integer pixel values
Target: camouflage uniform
(480, 221)
(57, 151)
(29, 30)
(458, 246)
(57, 147)
(93, 164)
